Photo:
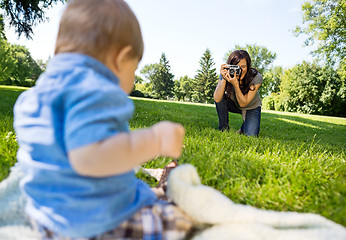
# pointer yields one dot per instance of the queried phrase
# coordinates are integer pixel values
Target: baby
(75, 146)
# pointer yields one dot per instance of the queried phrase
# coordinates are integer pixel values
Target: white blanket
(203, 203)
(243, 222)
(13, 223)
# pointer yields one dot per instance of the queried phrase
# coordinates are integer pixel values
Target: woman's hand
(224, 71)
(225, 75)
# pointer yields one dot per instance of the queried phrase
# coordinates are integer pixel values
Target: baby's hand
(171, 136)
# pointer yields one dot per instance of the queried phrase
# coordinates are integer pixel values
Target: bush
(137, 93)
(268, 102)
(312, 89)
(27, 83)
(7, 82)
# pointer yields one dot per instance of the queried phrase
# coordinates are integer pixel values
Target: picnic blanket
(207, 206)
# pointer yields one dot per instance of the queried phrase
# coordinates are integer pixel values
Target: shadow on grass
(296, 128)
(274, 125)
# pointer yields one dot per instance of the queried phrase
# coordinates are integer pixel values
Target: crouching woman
(238, 93)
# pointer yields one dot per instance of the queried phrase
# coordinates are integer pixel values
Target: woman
(239, 94)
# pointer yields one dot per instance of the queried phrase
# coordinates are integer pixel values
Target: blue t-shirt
(76, 102)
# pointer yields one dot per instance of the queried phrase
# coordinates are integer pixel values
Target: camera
(234, 69)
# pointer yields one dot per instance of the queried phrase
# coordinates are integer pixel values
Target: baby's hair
(95, 27)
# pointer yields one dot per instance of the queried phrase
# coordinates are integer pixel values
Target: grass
(8, 144)
(297, 163)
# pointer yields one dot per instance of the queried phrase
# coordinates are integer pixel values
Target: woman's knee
(252, 122)
(252, 132)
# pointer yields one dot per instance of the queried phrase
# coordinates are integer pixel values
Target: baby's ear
(122, 56)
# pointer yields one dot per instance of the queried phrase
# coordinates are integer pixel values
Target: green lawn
(297, 163)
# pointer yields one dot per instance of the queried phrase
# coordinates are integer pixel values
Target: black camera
(234, 69)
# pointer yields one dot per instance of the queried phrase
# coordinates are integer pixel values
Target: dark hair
(233, 59)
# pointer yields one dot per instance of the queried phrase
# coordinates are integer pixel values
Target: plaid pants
(162, 220)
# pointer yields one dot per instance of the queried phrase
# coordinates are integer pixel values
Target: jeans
(250, 126)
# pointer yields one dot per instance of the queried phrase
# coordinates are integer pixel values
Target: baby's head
(102, 29)
(97, 27)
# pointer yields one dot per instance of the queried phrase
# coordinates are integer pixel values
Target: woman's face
(243, 65)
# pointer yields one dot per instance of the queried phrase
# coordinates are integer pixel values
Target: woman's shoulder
(257, 79)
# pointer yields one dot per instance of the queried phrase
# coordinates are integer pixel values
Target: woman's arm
(221, 85)
(122, 152)
(220, 90)
(244, 100)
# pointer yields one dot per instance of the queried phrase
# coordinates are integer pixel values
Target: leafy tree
(145, 88)
(7, 62)
(183, 88)
(24, 14)
(206, 79)
(2, 28)
(26, 67)
(17, 67)
(187, 87)
(342, 69)
(138, 79)
(159, 77)
(162, 82)
(271, 81)
(261, 57)
(309, 88)
(177, 90)
(325, 22)
(149, 71)
(42, 64)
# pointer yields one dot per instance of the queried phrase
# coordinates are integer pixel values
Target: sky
(184, 29)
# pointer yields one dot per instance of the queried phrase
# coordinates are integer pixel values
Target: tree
(42, 64)
(325, 22)
(24, 14)
(309, 88)
(162, 82)
(2, 28)
(342, 69)
(187, 87)
(7, 62)
(160, 78)
(138, 79)
(271, 81)
(149, 71)
(206, 79)
(17, 67)
(261, 57)
(183, 88)
(177, 90)
(25, 68)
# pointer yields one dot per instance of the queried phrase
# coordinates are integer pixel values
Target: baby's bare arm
(122, 152)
